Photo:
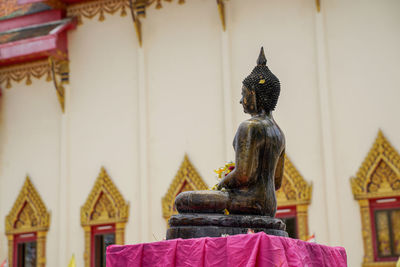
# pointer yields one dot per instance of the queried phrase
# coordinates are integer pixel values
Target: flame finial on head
(262, 60)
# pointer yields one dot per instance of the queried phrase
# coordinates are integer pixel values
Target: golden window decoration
(105, 210)
(293, 198)
(27, 225)
(376, 187)
(186, 179)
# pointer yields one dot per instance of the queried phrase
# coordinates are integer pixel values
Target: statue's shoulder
(251, 125)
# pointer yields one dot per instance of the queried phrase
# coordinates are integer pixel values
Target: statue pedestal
(195, 225)
(238, 250)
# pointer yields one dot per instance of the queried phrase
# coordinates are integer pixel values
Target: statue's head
(261, 85)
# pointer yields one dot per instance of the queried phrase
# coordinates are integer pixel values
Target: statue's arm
(246, 159)
(279, 170)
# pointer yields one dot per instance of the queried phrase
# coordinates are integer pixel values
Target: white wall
(30, 130)
(181, 70)
(364, 79)
(183, 65)
(102, 118)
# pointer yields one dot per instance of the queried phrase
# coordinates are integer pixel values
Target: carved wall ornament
(295, 191)
(17, 73)
(28, 214)
(104, 205)
(379, 174)
(378, 177)
(54, 69)
(99, 8)
(221, 11)
(318, 5)
(186, 179)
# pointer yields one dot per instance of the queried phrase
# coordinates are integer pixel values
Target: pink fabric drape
(238, 250)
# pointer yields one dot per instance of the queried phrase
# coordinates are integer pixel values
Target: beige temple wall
(137, 111)
(29, 134)
(184, 96)
(364, 76)
(103, 120)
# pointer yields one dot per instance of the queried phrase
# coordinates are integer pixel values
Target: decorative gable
(294, 190)
(379, 174)
(104, 204)
(28, 214)
(186, 179)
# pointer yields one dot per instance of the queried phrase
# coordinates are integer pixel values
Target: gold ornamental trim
(294, 190)
(379, 174)
(380, 264)
(56, 70)
(117, 210)
(28, 215)
(318, 5)
(221, 11)
(98, 8)
(28, 198)
(137, 8)
(104, 205)
(25, 71)
(187, 178)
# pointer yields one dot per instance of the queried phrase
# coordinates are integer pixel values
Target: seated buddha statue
(259, 146)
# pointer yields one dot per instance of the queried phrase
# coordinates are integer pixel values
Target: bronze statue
(248, 192)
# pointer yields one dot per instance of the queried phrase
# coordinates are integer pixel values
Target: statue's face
(248, 101)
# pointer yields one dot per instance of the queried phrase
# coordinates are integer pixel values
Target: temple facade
(110, 108)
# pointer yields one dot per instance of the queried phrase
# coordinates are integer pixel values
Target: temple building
(110, 108)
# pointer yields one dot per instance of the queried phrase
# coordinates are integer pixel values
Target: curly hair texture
(265, 84)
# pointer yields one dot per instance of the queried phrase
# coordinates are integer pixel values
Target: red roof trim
(29, 20)
(36, 46)
(21, 2)
(27, 47)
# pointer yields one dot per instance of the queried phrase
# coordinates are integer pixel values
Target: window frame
(288, 212)
(99, 230)
(376, 205)
(20, 239)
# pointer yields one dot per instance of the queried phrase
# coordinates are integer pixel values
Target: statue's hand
(227, 181)
(221, 185)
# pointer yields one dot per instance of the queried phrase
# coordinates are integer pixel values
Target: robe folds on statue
(239, 250)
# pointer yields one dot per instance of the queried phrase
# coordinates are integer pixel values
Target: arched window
(376, 187)
(186, 179)
(26, 228)
(293, 198)
(103, 217)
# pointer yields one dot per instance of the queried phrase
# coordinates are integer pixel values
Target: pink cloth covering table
(239, 250)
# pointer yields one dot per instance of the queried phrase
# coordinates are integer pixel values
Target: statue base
(195, 225)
